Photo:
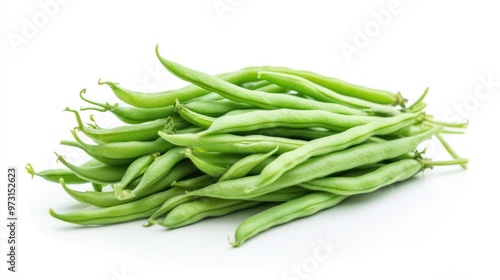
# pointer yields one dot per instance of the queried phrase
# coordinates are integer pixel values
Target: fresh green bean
(273, 89)
(108, 199)
(295, 133)
(194, 183)
(261, 119)
(135, 170)
(193, 117)
(320, 93)
(371, 181)
(115, 214)
(336, 142)
(217, 107)
(243, 166)
(283, 213)
(342, 87)
(127, 150)
(260, 99)
(138, 132)
(282, 195)
(101, 174)
(227, 143)
(213, 165)
(130, 115)
(99, 158)
(160, 166)
(255, 85)
(201, 208)
(317, 167)
(168, 205)
(53, 175)
(166, 98)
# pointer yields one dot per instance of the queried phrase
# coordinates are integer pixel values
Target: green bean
(336, 142)
(273, 89)
(282, 195)
(260, 99)
(194, 211)
(130, 115)
(317, 167)
(295, 133)
(371, 181)
(166, 98)
(342, 87)
(53, 175)
(134, 171)
(108, 199)
(160, 166)
(255, 85)
(261, 119)
(121, 150)
(227, 143)
(168, 205)
(320, 93)
(215, 166)
(243, 166)
(194, 183)
(99, 158)
(283, 213)
(181, 199)
(138, 132)
(193, 117)
(101, 174)
(217, 107)
(115, 214)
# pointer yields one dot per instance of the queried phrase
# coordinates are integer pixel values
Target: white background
(442, 225)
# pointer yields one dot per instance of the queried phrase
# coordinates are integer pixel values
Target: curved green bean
(121, 150)
(320, 93)
(166, 98)
(371, 181)
(260, 99)
(131, 114)
(262, 119)
(227, 143)
(243, 166)
(53, 175)
(115, 214)
(283, 213)
(329, 144)
(135, 170)
(158, 168)
(322, 166)
(342, 87)
(100, 174)
(108, 199)
(201, 208)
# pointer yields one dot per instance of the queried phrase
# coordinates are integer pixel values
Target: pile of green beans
(294, 141)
